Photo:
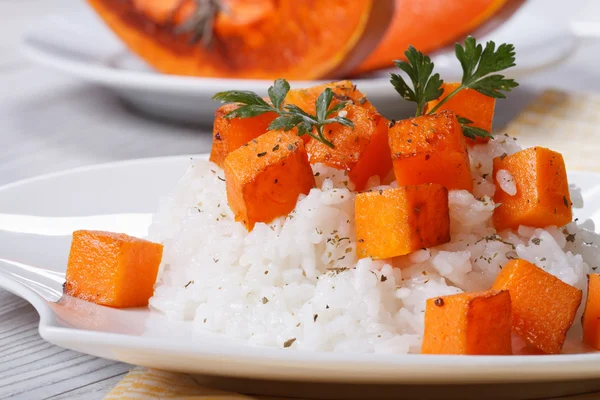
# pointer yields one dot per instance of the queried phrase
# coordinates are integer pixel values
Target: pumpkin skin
(428, 25)
(255, 39)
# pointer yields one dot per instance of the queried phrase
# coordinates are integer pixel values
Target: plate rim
(119, 78)
(167, 82)
(261, 362)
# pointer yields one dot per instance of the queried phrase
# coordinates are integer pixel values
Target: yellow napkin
(150, 384)
(565, 122)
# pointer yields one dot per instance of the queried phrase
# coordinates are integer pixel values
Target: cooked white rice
(506, 182)
(296, 282)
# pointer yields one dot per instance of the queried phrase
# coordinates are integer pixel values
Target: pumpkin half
(428, 25)
(260, 39)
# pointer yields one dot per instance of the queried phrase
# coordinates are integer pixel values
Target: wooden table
(50, 122)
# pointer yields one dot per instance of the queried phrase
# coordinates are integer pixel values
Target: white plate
(38, 215)
(80, 44)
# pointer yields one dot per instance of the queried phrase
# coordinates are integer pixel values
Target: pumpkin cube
(363, 151)
(395, 222)
(265, 177)
(112, 269)
(230, 134)
(543, 306)
(542, 190)
(470, 104)
(468, 323)
(430, 149)
(591, 315)
(306, 99)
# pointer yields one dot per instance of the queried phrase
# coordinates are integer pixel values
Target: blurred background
(74, 94)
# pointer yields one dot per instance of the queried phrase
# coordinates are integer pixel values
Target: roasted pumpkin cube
(306, 99)
(265, 177)
(542, 190)
(395, 222)
(230, 134)
(470, 104)
(363, 151)
(468, 323)
(543, 306)
(430, 149)
(591, 315)
(112, 269)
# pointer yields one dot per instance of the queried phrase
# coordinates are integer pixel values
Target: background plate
(63, 42)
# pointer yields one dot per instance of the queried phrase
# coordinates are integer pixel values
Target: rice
(506, 182)
(298, 277)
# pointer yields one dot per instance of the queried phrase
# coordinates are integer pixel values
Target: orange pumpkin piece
(468, 323)
(430, 149)
(543, 306)
(265, 177)
(428, 25)
(542, 197)
(363, 151)
(259, 39)
(470, 104)
(591, 315)
(230, 134)
(395, 222)
(112, 269)
(306, 99)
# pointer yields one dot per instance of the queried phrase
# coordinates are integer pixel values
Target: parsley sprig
(480, 67)
(425, 87)
(290, 116)
(478, 63)
(470, 131)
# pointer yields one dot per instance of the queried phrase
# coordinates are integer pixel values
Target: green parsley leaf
(340, 120)
(491, 85)
(285, 122)
(240, 96)
(473, 132)
(278, 91)
(470, 131)
(306, 128)
(425, 86)
(248, 111)
(294, 109)
(479, 67)
(477, 63)
(290, 116)
(295, 117)
(323, 102)
(463, 120)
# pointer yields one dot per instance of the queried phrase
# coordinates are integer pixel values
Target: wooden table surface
(50, 122)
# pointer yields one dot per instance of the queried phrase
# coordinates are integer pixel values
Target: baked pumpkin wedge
(430, 24)
(255, 39)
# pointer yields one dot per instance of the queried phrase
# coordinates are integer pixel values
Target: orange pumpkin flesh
(259, 39)
(470, 104)
(306, 98)
(362, 150)
(428, 25)
(112, 269)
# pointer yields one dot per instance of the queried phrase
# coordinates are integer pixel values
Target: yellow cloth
(564, 122)
(149, 384)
